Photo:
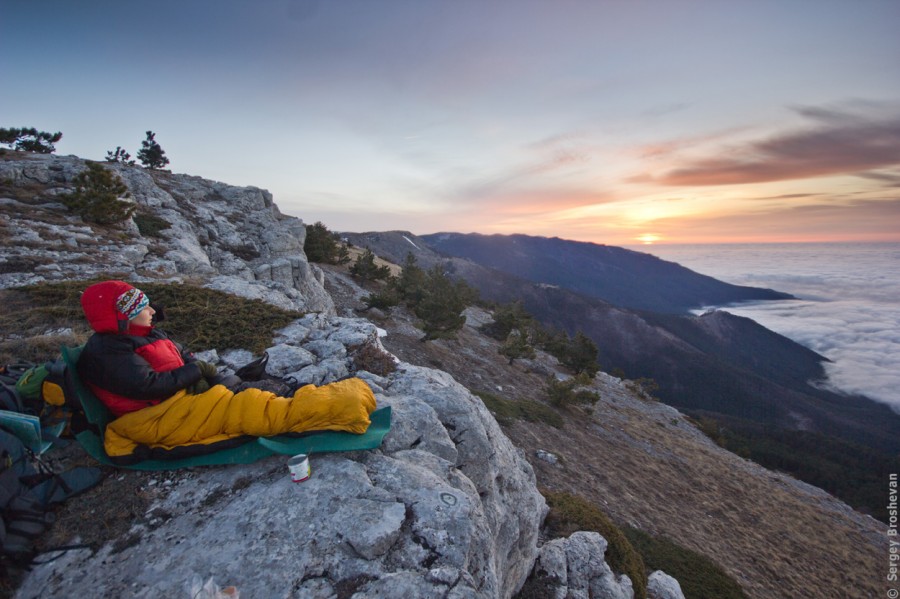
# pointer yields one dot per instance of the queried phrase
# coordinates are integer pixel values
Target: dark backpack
(45, 390)
(27, 491)
(28, 488)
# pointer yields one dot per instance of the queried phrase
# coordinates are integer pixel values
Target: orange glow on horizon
(648, 238)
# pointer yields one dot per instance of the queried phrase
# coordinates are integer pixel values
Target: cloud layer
(849, 309)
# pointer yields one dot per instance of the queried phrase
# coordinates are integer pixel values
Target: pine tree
(563, 393)
(322, 245)
(365, 268)
(581, 355)
(510, 317)
(412, 282)
(29, 139)
(120, 155)
(517, 346)
(97, 196)
(151, 154)
(441, 307)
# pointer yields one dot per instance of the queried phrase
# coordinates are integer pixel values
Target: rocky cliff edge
(447, 507)
(229, 238)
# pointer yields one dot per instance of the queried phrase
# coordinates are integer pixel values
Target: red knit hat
(109, 305)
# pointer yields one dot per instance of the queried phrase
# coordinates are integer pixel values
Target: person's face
(144, 318)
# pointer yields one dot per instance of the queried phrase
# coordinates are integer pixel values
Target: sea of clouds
(848, 308)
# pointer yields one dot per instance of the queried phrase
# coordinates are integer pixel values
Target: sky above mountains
(608, 121)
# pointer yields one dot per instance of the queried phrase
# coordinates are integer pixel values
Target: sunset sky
(676, 121)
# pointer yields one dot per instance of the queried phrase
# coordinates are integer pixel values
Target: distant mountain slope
(717, 363)
(621, 277)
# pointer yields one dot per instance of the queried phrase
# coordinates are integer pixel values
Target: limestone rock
(546, 456)
(284, 359)
(662, 586)
(575, 569)
(233, 238)
(446, 507)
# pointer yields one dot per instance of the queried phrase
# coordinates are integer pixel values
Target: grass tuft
(507, 410)
(370, 358)
(699, 577)
(150, 225)
(199, 318)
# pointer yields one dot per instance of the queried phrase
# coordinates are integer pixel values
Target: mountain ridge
(620, 276)
(696, 367)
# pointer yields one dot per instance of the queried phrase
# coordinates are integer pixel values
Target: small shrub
(120, 155)
(644, 388)
(442, 303)
(96, 196)
(384, 300)
(584, 396)
(150, 225)
(370, 358)
(412, 283)
(517, 346)
(566, 393)
(581, 355)
(508, 318)
(245, 252)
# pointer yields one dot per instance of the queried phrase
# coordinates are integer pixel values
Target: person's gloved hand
(198, 387)
(206, 369)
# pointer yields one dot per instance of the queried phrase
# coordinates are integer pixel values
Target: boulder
(574, 568)
(662, 586)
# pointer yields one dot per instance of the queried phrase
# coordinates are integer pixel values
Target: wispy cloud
(839, 143)
(889, 179)
(549, 177)
(789, 196)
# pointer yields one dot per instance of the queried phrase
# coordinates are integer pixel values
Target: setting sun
(648, 238)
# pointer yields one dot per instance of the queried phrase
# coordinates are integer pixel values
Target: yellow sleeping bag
(219, 414)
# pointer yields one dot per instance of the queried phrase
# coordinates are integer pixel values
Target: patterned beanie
(132, 302)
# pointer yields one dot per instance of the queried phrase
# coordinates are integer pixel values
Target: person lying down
(163, 398)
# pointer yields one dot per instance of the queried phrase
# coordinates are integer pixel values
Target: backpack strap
(58, 487)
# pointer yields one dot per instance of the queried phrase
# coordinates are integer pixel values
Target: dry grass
(773, 539)
(649, 469)
(27, 192)
(198, 317)
(30, 331)
(370, 358)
